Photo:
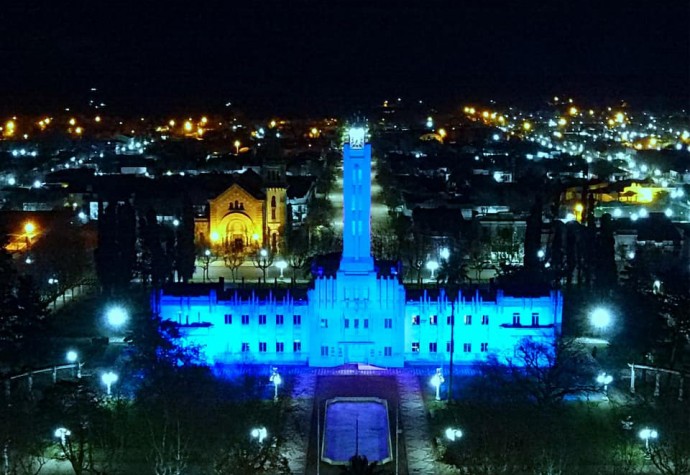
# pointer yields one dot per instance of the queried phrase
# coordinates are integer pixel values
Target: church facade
(358, 315)
(249, 214)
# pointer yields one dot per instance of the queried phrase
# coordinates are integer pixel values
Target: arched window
(237, 204)
(273, 208)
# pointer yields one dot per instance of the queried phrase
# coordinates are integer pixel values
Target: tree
(297, 251)
(533, 237)
(417, 251)
(263, 259)
(233, 257)
(252, 457)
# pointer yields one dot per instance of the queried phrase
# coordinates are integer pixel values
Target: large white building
(356, 316)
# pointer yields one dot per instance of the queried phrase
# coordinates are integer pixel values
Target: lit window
(262, 319)
(262, 347)
(280, 347)
(433, 320)
(484, 347)
(297, 319)
(415, 347)
(387, 351)
(415, 320)
(296, 346)
(228, 319)
(245, 347)
(279, 320)
(433, 347)
(485, 319)
(245, 319)
(467, 347)
(388, 323)
(468, 319)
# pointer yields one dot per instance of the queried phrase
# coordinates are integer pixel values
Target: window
(262, 347)
(356, 322)
(415, 347)
(468, 319)
(535, 319)
(296, 346)
(366, 323)
(273, 208)
(484, 347)
(433, 347)
(450, 320)
(415, 320)
(324, 323)
(324, 351)
(433, 320)
(347, 323)
(297, 319)
(467, 347)
(245, 319)
(279, 320)
(448, 347)
(485, 319)
(516, 319)
(262, 319)
(388, 323)
(280, 347)
(228, 319)
(387, 351)
(245, 347)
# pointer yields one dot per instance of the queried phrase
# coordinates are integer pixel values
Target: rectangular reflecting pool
(354, 425)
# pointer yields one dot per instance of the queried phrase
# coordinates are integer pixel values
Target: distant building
(357, 315)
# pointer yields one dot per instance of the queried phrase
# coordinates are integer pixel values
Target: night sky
(315, 56)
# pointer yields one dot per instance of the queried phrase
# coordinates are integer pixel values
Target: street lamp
(73, 357)
(646, 434)
(432, 266)
(108, 379)
(600, 318)
(62, 434)
(277, 381)
(605, 380)
(453, 434)
(116, 316)
(282, 265)
(436, 381)
(444, 253)
(259, 433)
(237, 147)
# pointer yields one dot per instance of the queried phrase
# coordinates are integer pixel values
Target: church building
(358, 315)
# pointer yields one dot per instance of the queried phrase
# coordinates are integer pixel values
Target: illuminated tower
(276, 205)
(357, 204)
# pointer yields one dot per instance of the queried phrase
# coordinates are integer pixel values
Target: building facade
(357, 315)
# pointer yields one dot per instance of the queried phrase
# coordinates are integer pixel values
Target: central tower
(357, 257)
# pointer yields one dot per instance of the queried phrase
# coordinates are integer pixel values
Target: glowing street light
(646, 434)
(600, 318)
(62, 434)
(436, 381)
(453, 434)
(108, 379)
(605, 379)
(541, 254)
(73, 357)
(432, 266)
(116, 316)
(277, 381)
(259, 433)
(237, 147)
(282, 265)
(176, 222)
(444, 253)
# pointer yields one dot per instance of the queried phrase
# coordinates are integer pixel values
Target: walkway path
(420, 455)
(299, 421)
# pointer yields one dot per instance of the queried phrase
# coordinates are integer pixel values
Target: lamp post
(432, 266)
(600, 319)
(259, 433)
(116, 316)
(444, 253)
(73, 357)
(646, 434)
(453, 434)
(277, 381)
(237, 147)
(62, 434)
(108, 379)
(281, 265)
(436, 381)
(605, 380)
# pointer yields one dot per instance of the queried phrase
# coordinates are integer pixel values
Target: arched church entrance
(239, 229)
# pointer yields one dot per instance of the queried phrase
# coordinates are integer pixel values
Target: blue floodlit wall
(356, 316)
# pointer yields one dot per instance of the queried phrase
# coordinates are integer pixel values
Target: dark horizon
(308, 58)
